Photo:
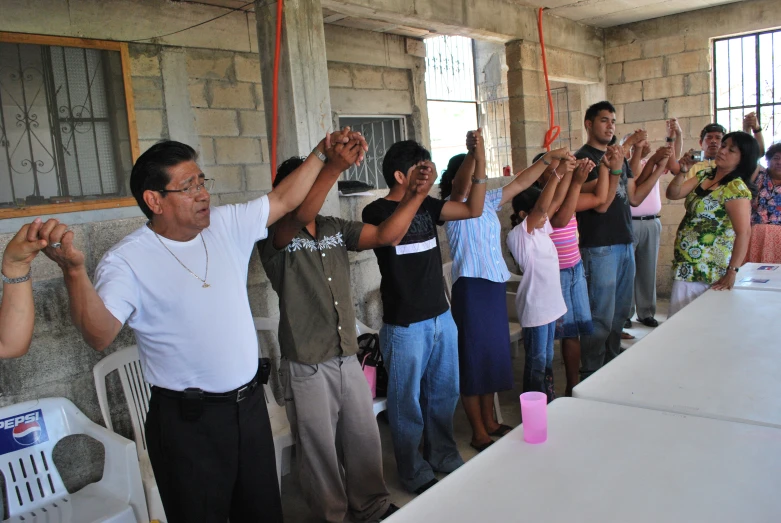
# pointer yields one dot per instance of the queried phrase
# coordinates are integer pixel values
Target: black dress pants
(216, 467)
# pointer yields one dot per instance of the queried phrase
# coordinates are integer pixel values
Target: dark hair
(287, 167)
(524, 201)
(446, 181)
(772, 151)
(538, 181)
(400, 157)
(749, 156)
(713, 128)
(150, 170)
(593, 111)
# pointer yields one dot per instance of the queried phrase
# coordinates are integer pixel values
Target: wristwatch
(757, 130)
(320, 156)
(479, 181)
(17, 280)
(731, 268)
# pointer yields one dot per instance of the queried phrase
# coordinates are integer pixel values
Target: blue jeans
(538, 365)
(422, 362)
(610, 274)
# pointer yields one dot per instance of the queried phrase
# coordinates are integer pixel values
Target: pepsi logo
(27, 434)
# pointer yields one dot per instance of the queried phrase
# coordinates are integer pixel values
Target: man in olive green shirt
(327, 398)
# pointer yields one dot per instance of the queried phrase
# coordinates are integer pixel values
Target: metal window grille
(450, 69)
(560, 97)
(747, 77)
(495, 121)
(380, 132)
(62, 112)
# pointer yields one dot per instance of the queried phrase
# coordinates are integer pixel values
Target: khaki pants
(337, 440)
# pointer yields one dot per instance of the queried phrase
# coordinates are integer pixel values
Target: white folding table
(759, 276)
(613, 464)
(719, 357)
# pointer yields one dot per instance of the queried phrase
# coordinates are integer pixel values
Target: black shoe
(649, 322)
(388, 513)
(628, 324)
(423, 488)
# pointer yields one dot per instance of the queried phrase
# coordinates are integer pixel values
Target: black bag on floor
(369, 352)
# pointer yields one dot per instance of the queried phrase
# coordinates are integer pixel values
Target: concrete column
(304, 98)
(178, 110)
(528, 103)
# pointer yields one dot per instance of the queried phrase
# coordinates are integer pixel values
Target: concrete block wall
(662, 68)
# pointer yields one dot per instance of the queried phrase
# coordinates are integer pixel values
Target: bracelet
(731, 268)
(23, 279)
(670, 139)
(320, 156)
(546, 162)
(616, 172)
(479, 181)
(557, 174)
(757, 130)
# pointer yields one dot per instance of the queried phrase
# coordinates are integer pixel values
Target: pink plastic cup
(534, 414)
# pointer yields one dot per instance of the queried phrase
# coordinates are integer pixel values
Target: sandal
(481, 448)
(626, 336)
(503, 430)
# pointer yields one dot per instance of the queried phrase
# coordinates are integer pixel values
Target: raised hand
(471, 141)
(615, 160)
(567, 166)
(584, 167)
(343, 136)
(479, 149)
(22, 249)
(687, 160)
(60, 248)
(750, 122)
(674, 127)
(421, 179)
(343, 156)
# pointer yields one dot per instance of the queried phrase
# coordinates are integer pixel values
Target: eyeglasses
(193, 190)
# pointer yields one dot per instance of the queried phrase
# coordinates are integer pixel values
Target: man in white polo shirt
(180, 283)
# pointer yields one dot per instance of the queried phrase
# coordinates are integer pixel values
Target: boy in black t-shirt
(418, 339)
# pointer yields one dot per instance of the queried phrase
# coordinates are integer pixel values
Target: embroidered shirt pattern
(328, 242)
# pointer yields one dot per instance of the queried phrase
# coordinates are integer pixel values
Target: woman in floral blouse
(766, 207)
(713, 237)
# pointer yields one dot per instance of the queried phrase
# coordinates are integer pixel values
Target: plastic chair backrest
(512, 312)
(28, 433)
(137, 391)
(360, 328)
(447, 274)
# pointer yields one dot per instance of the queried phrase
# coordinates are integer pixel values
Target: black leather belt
(234, 396)
(643, 218)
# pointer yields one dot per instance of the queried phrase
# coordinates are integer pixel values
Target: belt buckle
(242, 394)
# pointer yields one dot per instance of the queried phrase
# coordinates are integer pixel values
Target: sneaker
(388, 513)
(628, 324)
(649, 322)
(423, 488)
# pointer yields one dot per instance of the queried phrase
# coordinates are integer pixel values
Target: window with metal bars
(380, 133)
(560, 96)
(747, 77)
(64, 132)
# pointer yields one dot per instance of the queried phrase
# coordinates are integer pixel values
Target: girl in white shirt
(539, 300)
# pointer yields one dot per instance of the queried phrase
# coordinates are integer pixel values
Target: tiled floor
(293, 502)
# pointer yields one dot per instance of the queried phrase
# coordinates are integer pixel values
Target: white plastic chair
(280, 425)
(379, 404)
(34, 487)
(137, 393)
(515, 327)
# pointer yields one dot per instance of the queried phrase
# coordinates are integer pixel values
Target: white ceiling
(600, 13)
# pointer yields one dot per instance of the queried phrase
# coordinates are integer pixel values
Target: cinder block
(206, 152)
(367, 77)
(689, 62)
(625, 93)
(657, 88)
(339, 75)
(258, 177)
(696, 125)
(216, 122)
(663, 46)
(697, 83)
(148, 99)
(209, 64)
(149, 124)
(693, 42)
(247, 67)
(232, 96)
(252, 123)
(644, 111)
(395, 79)
(144, 65)
(623, 53)
(229, 151)
(227, 178)
(147, 83)
(642, 69)
(672, 215)
(696, 105)
(615, 73)
(197, 90)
